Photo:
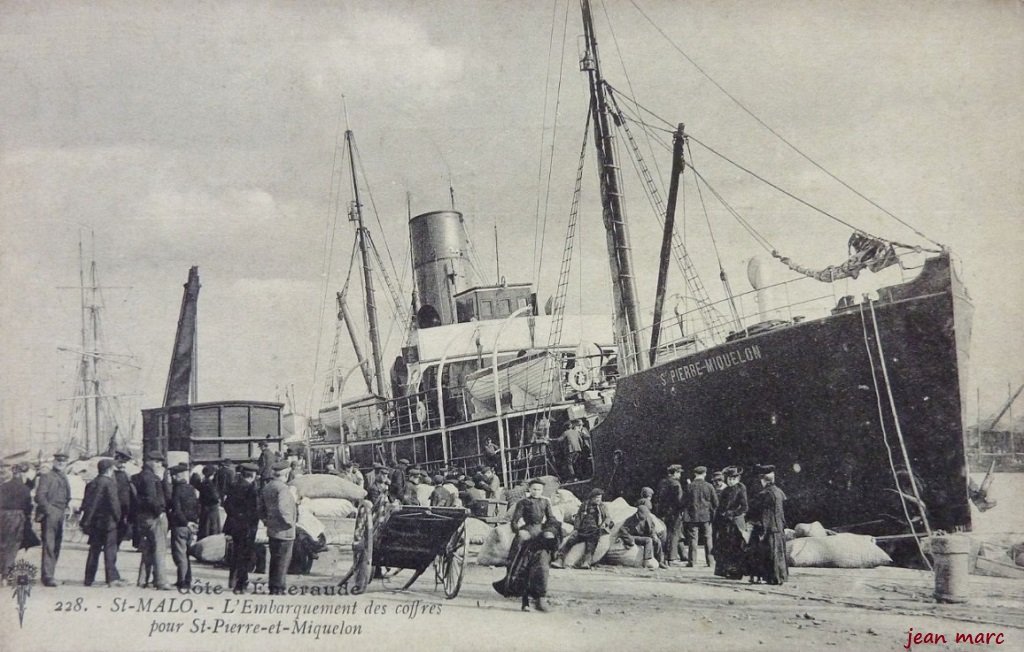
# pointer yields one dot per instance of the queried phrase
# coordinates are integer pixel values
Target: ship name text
(710, 365)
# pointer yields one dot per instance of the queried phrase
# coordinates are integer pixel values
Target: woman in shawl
(730, 549)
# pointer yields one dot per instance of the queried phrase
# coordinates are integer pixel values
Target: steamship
(483, 378)
(855, 396)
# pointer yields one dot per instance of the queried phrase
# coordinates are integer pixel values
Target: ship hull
(804, 398)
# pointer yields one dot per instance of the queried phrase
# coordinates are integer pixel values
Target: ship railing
(525, 462)
(804, 299)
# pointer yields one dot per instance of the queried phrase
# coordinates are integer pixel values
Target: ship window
(506, 306)
(485, 309)
(522, 302)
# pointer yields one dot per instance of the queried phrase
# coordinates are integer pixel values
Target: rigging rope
(760, 239)
(325, 267)
(774, 132)
(885, 439)
(535, 267)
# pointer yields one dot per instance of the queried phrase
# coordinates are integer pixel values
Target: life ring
(579, 379)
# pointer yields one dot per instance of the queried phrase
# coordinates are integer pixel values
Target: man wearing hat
(182, 516)
(699, 504)
(667, 504)
(768, 536)
(266, 461)
(242, 507)
(125, 494)
(15, 515)
(440, 496)
(592, 522)
(280, 513)
(53, 492)
(398, 479)
(730, 524)
(209, 503)
(101, 515)
(225, 478)
(151, 520)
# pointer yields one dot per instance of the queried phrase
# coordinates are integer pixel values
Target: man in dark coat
(52, 496)
(15, 516)
(530, 554)
(591, 523)
(125, 495)
(768, 536)
(151, 520)
(209, 504)
(242, 507)
(225, 478)
(699, 504)
(182, 516)
(410, 494)
(667, 503)
(640, 529)
(573, 442)
(441, 497)
(101, 516)
(266, 461)
(398, 479)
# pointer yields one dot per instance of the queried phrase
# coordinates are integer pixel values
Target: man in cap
(768, 537)
(101, 516)
(699, 504)
(151, 515)
(225, 478)
(280, 513)
(529, 556)
(440, 496)
(15, 515)
(592, 522)
(667, 504)
(572, 440)
(182, 517)
(398, 479)
(242, 507)
(640, 529)
(411, 494)
(494, 490)
(125, 495)
(266, 461)
(53, 492)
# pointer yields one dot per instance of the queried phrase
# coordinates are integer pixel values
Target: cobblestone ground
(605, 608)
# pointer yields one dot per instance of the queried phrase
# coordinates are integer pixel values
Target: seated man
(591, 522)
(640, 529)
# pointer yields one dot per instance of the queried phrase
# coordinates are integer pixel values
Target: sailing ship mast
(617, 234)
(356, 215)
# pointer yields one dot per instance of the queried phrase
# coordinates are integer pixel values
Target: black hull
(802, 398)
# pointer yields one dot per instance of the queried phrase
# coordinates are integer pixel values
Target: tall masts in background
(617, 234)
(88, 403)
(356, 215)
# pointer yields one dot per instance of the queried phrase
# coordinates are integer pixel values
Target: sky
(179, 134)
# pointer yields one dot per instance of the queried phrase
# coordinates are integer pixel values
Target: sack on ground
(494, 551)
(550, 485)
(210, 549)
(423, 492)
(814, 529)
(329, 507)
(567, 502)
(575, 554)
(839, 551)
(619, 555)
(476, 531)
(325, 485)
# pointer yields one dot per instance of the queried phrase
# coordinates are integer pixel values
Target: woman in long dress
(730, 549)
(530, 555)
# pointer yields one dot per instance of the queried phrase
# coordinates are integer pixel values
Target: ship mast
(617, 233)
(356, 215)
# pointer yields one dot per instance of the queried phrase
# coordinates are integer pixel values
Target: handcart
(408, 537)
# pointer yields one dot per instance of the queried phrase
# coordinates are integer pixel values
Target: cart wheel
(454, 563)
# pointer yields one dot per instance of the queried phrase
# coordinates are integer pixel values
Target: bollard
(952, 573)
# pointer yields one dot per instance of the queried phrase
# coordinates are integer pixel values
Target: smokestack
(440, 259)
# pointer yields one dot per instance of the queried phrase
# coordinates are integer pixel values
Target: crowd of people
(159, 505)
(741, 525)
